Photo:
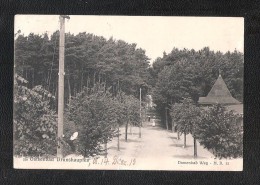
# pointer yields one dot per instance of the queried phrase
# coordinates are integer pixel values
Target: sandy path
(155, 143)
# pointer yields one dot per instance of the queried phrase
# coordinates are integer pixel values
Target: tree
(35, 124)
(186, 116)
(120, 109)
(191, 74)
(174, 83)
(221, 131)
(94, 112)
(131, 111)
(89, 59)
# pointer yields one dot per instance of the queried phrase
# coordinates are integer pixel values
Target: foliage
(221, 131)
(131, 113)
(131, 109)
(35, 124)
(217, 129)
(191, 74)
(88, 59)
(186, 116)
(95, 114)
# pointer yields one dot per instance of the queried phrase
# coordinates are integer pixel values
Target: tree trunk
(85, 152)
(195, 147)
(75, 87)
(126, 127)
(33, 78)
(118, 86)
(166, 119)
(118, 137)
(48, 81)
(105, 83)
(113, 90)
(184, 146)
(81, 82)
(56, 98)
(42, 79)
(94, 78)
(145, 113)
(53, 88)
(178, 135)
(22, 69)
(172, 126)
(69, 91)
(105, 149)
(87, 80)
(55, 91)
(27, 84)
(26, 74)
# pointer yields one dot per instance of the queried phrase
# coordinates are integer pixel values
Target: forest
(89, 59)
(103, 78)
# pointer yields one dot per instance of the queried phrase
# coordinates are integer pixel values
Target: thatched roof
(218, 94)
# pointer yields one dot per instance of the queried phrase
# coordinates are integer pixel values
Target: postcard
(128, 92)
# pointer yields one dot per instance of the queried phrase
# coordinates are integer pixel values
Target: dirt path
(159, 149)
(155, 143)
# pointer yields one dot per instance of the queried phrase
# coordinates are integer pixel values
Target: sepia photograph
(95, 92)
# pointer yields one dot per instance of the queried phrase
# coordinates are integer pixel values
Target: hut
(219, 94)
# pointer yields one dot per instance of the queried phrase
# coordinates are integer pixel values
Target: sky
(154, 34)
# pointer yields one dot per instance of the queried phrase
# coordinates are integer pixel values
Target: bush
(221, 131)
(35, 124)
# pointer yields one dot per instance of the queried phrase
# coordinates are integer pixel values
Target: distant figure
(153, 122)
(149, 118)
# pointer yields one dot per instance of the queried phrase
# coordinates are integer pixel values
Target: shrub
(35, 124)
(221, 131)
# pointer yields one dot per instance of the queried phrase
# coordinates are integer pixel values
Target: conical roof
(218, 94)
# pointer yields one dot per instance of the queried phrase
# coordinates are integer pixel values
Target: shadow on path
(171, 137)
(130, 140)
(115, 148)
(154, 128)
(181, 145)
(134, 134)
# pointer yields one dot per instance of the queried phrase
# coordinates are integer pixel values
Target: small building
(219, 94)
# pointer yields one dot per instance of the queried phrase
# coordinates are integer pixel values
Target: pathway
(156, 149)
